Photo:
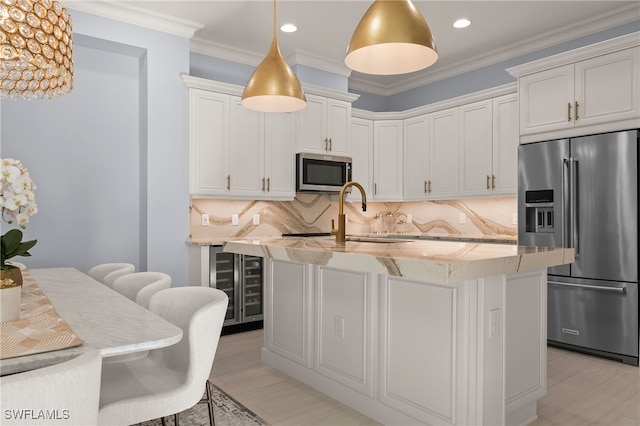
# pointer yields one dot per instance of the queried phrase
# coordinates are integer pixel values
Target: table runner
(39, 329)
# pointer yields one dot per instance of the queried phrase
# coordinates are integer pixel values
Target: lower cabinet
(411, 352)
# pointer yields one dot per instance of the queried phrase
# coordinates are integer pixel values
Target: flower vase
(10, 294)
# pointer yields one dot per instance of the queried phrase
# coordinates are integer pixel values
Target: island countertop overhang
(434, 261)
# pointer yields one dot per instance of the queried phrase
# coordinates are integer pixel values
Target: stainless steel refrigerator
(583, 193)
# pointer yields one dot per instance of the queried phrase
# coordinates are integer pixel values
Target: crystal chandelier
(35, 49)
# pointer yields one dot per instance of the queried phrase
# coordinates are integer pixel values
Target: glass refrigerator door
(252, 289)
(224, 277)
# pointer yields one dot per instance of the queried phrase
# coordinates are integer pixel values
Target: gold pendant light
(391, 38)
(35, 49)
(273, 87)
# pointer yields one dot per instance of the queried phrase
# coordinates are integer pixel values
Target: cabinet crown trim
(576, 55)
(233, 89)
(494, 92)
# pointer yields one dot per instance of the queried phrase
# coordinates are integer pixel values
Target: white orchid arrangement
(17, 201)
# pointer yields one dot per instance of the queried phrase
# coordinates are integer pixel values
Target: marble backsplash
(313, 213)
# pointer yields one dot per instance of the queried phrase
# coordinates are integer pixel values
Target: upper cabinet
(489, 142)
(362, 156)
(387, 160)
(235, 152)
(209, 145)
(324, 126)
(261, 154)
(589, 90)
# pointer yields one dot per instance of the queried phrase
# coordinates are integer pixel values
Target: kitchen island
(410, 331)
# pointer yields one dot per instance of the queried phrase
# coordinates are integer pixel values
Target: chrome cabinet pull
(425, 187)
(493, 181)
(577, 105)
(429, 187)
(262, 185)
(569, 111)
(330, 144)
(488, 187)
(375, 188)
(228, 182)
(268, 184)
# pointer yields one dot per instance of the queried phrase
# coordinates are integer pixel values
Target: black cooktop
(308, 234)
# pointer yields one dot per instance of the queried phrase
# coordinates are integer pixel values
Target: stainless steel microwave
(321, 173)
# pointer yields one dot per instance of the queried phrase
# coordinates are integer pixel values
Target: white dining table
(104, 319)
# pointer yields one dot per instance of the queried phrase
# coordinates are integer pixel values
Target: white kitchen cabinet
(324, 126)
(344, 327)
(362, 156)
(288, 311)
(476, 175)
(594, 91)
(415, 170)
(209, 143)
(262, 155)
(505, 144)
(387, 160)
(443, 153)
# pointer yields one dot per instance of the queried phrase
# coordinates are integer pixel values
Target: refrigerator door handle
(573, 200)
(592, 287)
(566, 207)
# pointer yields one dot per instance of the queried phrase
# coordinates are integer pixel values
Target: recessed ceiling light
(288, 28)
(462, 23)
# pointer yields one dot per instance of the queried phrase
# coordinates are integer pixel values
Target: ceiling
(241, 31)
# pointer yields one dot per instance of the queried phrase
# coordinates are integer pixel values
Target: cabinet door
(344, 322)
(247, 151)
(607, 88)
(288, 309)
(443, 153)
(387, 160)
(505, 144)
(415, 167)
(546, 100)
(362, 156)
(279, 156)
(208, 143)
(476, 136)
(312, 123)
(339, 127)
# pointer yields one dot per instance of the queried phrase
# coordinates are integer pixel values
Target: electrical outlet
(256, 219)
(494, 322)
(338, 326)
(234, 219)
(205, 219)
(463, 218)
(514, 218)
(409, 218)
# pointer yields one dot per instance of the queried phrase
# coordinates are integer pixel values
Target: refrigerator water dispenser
(539, 211)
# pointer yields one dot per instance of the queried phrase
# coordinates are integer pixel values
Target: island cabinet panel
(418, 358)
(526, 331)
(288, 326)
(344, 327)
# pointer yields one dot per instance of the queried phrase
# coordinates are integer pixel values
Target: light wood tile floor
(582, 390)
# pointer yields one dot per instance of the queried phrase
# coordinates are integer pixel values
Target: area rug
(227, 411)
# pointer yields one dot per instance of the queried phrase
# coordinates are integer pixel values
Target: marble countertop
(503, 239)
(436, 261)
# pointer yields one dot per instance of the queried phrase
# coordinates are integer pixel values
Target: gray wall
(111, 158)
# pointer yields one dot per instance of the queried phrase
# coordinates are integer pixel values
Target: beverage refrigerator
(583, 193)
(241, 278)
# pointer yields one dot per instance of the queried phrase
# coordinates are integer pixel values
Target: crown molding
(482, 95)
(136, 16)
(580, 29)
(582, 53)
(225, 52)
(302, 57)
